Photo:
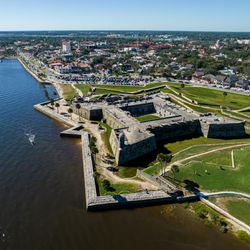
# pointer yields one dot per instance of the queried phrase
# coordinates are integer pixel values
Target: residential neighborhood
(134, 58)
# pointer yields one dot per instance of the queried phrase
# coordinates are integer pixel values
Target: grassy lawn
(144, 118)
(188, 147)
(202, 109)
(154, 169)
(86, 87)
(196, 150)
(246, 113)
(177, 146)
(126, 172)
(211, 97)
(68, 91)
(241, 117)
(118, 188)
(204, 96)
(239, 209)
(214, 172)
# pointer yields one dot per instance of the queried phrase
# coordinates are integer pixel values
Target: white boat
(31, 138)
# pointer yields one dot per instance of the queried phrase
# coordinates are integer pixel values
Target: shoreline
(93, 202)
(105, 202)
(56, 85)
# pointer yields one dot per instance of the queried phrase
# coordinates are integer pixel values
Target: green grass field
(246, 113)
(239, 209)
(86, 87)
(126, 172)
(204, 96)
(68, 91)
(211, 97)
(214, 172)
(145, 118)
(118, 188)
(177, 146)
(153, 169)
(188, 147)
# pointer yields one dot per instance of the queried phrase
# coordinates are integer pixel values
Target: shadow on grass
(192, 186)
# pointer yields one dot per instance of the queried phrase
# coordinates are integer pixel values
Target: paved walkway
(225, 193)
(234, 220)
(79, 92)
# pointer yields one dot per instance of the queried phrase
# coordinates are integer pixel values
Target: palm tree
(57, 105)
(78, 106)
(70, 111)
(163, 159)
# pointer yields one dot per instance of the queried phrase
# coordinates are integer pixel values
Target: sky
(181, 15)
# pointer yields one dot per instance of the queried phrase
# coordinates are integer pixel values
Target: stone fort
(131, 139)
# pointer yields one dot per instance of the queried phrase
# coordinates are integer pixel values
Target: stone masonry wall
(112, 121)
(140, 109)
(224, 130)
(88, 113)
(132, 151)
(176, 130)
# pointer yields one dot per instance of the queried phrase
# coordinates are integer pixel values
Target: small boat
(31, 138)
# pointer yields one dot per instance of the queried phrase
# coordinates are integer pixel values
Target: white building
(66, 47)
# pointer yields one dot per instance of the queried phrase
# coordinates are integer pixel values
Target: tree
(163, 159)
(70, 111)
(174, 169)
(107, 186)
(78, 106)
(57, 105)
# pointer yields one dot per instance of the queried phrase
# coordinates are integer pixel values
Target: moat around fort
(42, 191)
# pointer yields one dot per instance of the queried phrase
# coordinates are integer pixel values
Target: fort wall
(225, 130)
(130, 152)
(140, 109)
(176, 130)
(90, 113)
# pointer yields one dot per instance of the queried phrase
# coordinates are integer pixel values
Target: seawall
(92, 200)
(56, 85)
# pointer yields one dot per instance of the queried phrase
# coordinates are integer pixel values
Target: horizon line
(121, 30)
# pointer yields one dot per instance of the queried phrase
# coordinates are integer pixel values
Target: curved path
(222, 211)
(225, 193)
(78, 91)
(168, 168)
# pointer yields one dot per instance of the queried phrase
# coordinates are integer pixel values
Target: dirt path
(79, 92)
(116, 179)
(103, 151)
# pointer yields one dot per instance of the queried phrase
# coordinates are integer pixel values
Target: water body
(41, 189)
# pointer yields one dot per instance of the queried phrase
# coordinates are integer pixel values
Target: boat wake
(30, 135)
(31, 138)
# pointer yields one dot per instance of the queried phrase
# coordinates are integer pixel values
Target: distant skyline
(179, 15)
